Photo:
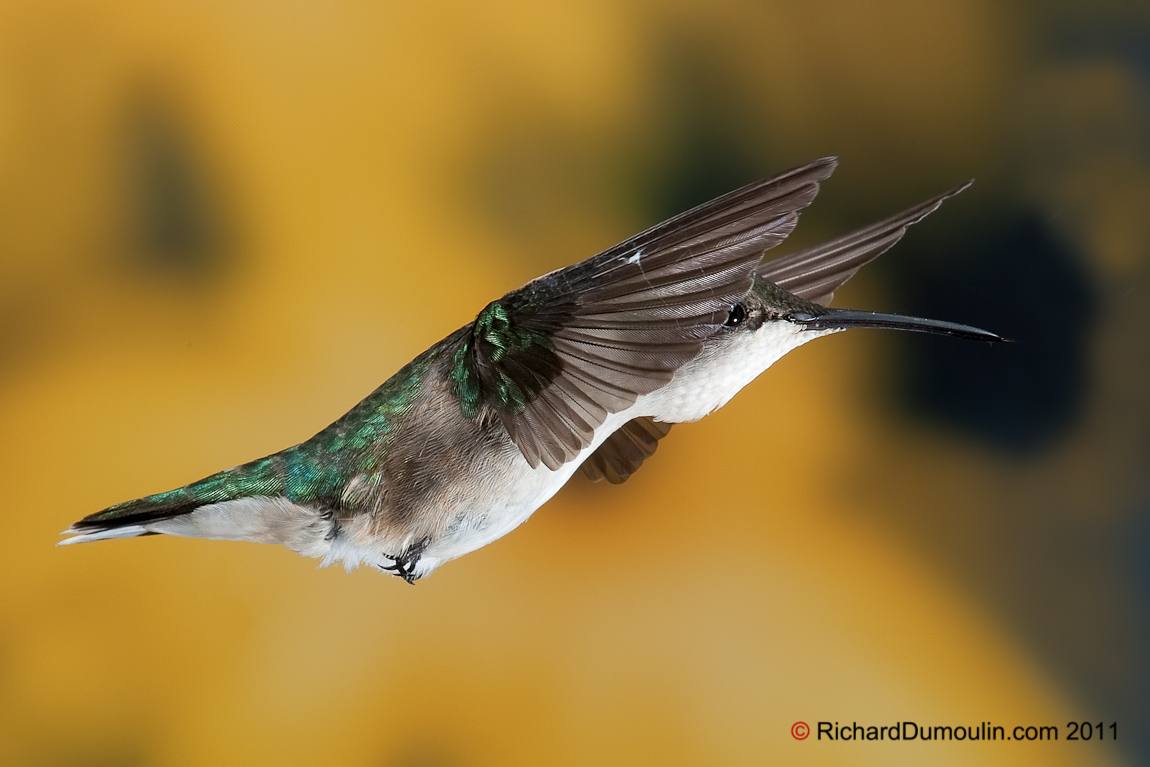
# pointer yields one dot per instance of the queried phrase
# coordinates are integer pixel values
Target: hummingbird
(585, 368)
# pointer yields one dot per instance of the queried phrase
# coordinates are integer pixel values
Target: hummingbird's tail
(130, 519)
(127, 531)
(246, 503)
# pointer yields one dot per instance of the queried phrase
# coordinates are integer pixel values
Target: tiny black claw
(404, 564)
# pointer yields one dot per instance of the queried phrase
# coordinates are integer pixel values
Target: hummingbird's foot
(404, 564)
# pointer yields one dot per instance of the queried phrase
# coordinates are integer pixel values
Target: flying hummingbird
(585, 368)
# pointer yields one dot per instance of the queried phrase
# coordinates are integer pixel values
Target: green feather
(315, 472)
(497, 340)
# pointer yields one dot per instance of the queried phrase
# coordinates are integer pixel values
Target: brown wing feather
(623, 452)
(813, 274)
(554, 357)
(816, 273)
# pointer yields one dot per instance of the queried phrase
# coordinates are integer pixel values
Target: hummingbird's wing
(623, 452)
(816, 273)
(555, 357)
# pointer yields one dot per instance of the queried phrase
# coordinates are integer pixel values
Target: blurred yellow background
(222, 224)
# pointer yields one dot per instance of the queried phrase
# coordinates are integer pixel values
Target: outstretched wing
(555, 357)
(623, 452)
(816, 273)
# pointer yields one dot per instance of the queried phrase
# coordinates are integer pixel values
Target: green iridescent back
(313, 473)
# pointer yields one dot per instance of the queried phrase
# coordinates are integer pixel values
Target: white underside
(699, 388)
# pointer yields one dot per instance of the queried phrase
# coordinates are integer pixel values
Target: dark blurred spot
(102, 754)
(23, 324)
(699, 136)
(1138, 548)
(523, 177)
(1079, 30)
(1010, 274)
(703, 127)
(173, 207)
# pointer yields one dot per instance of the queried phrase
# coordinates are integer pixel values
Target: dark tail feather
(147, 509)
(125, 520)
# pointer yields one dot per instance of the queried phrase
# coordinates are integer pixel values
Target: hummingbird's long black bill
(841, 319)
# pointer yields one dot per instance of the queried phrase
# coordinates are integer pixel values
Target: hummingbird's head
(768, 303)
(767, 323)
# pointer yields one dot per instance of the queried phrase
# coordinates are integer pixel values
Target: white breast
(709, 381)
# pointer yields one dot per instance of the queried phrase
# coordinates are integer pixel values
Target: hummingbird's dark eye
(736, 317)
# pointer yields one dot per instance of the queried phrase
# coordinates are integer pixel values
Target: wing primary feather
(624, 452)
(558, 355)
(815, 273)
